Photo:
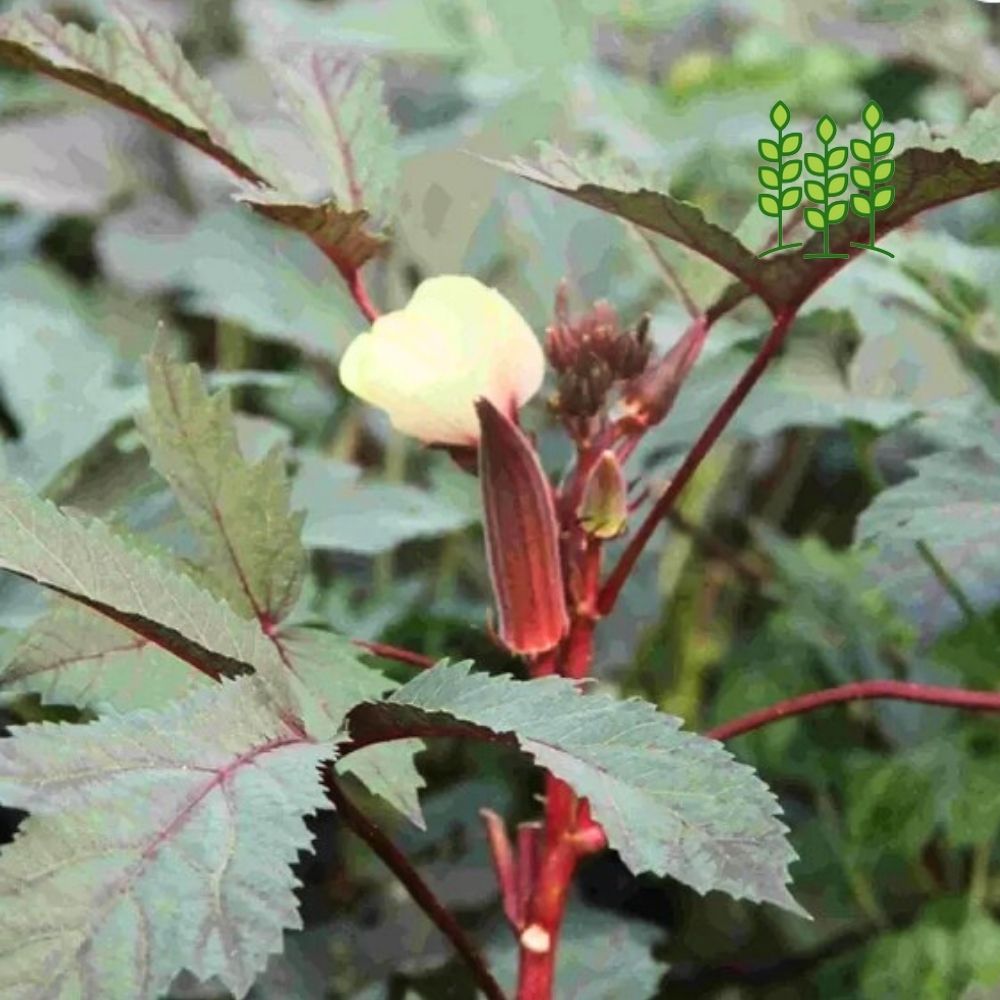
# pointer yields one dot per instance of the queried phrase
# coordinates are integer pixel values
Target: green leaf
(768, 178)
(157, 842)
(339, 103)
(780, 115)
(952, 505)
(815, 218)
(768, 150)
(826, 129)
(815, 164)
(670, 802)
(74, 656)
(884, 170)
(884, 198)
(89, 563)
(884, 143)
(348, 514)
(861, 205)
(768, 205)
(860, 150)
(137, 66)
(837, 157)
(872, 115)
(791, 198)
(791, 170)
(791, 143)
(836, 185)
(891, 808)
(932, 169)
(948, 950)
(328, 667)
(861, 177)
(973, 812)
(233, 265)
(837, 212)
(815, 192)
(239, 511)
(612, 186)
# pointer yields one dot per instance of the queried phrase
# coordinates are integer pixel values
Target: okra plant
(162, 826)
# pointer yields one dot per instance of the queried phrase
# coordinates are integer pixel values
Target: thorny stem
(616, 579)
(422, 895)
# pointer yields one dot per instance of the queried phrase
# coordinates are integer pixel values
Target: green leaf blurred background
(846, 528)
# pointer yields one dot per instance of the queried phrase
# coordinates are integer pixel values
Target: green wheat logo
(874, 194)
(781, 177)
(827, 180)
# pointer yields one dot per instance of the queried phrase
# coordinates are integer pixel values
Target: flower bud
(649, 397)
(603, 511)
(522, 536)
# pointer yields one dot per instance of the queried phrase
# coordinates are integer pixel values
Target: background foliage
(845, 529)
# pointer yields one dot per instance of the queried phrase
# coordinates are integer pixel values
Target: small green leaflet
(158, 841)
(670, 802)
(239, 511)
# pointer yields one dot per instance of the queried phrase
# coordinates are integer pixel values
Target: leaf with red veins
(75, 656)
(337, 101)
(240, 511)
(136, 65)
(158, 841)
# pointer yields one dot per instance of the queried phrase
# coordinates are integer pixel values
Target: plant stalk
(616, 579)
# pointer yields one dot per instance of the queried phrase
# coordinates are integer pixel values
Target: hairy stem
(418, 889)
(616, 579)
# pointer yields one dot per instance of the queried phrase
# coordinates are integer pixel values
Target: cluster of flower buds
(591, 354)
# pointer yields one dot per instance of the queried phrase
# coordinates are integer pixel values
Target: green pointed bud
(780, 115)
(872, 115)
(826, 129)
(603, 508)
(522, 536)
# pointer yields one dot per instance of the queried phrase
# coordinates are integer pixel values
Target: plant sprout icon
(827, 180)
(871, 177)
(780, 177)
(825, 191)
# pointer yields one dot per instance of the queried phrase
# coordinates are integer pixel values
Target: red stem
(616, 579)
(395, 653)
(356, 285)
(568, 832)
(422, 894)
(982, 701)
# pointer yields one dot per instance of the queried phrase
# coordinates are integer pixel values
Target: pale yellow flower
(426, 364)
